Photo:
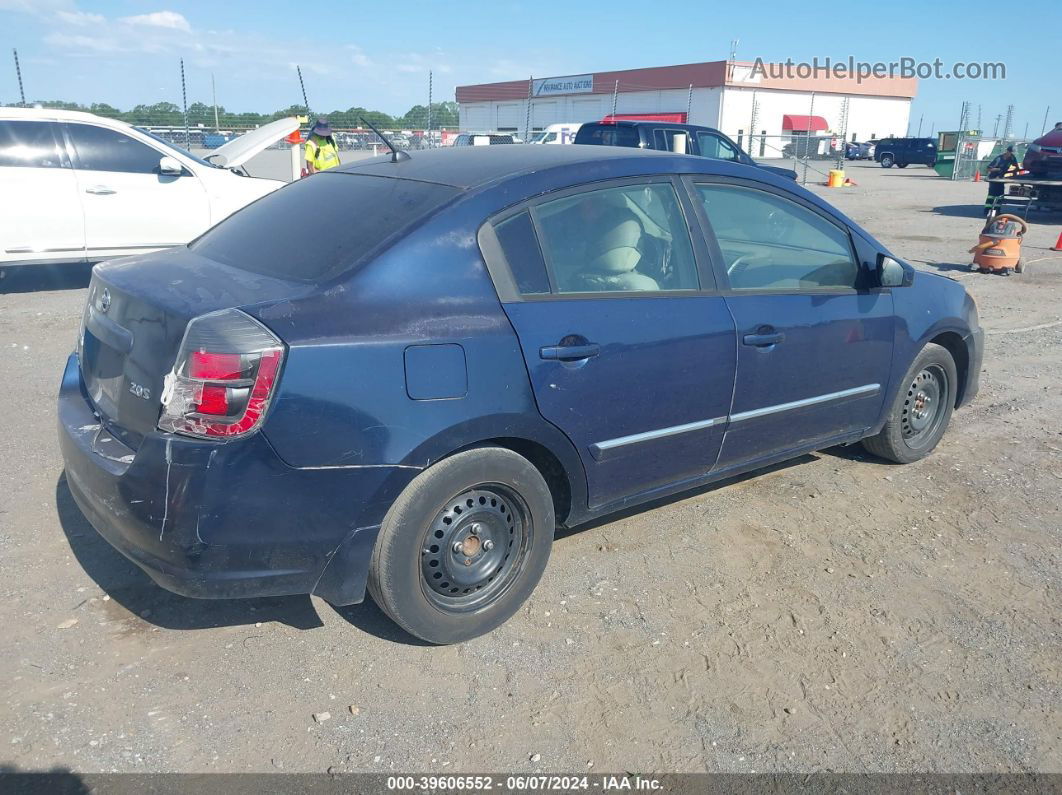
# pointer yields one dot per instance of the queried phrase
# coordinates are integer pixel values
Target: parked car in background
(858, 151)
(902, 152)
(701, 141)
(547, 334)
(80, 187)
(484, 139)
(1043, 157)
(557, 134)
(215, 140)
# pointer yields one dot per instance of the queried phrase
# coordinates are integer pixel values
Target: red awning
(674, 118)
(804, 123)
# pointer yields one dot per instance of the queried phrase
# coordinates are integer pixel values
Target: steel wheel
(475, 548)
(925, 406)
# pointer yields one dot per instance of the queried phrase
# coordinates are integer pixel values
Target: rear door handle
(764, 340)
(569, 353)
(100, 190)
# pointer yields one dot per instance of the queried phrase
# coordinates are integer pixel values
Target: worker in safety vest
(321, 150)
(1001, 166)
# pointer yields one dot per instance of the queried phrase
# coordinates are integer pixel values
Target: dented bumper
(224, 519)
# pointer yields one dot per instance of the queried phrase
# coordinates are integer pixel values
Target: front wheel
(887, 161)
(920, 413)
(463, 546)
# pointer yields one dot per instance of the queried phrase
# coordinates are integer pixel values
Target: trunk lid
(134, 321)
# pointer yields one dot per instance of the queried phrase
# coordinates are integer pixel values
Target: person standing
(999, 167)
(322, 153)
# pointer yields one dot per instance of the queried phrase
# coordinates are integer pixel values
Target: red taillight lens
(223, 378)
(214, 400)
(215, 366)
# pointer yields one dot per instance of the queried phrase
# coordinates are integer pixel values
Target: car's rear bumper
(224, 519)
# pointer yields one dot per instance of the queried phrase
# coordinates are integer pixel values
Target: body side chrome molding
(599, 448)
(660, 433)
(867, 389)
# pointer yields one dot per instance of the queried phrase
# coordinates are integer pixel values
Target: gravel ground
(834, 613)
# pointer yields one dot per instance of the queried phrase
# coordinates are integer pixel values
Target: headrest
(616, 250)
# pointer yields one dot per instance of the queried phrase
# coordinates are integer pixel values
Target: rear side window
(626, 239)
(29, 144)
(516, 236)
(316, 227)
(607, 135)
(102, 149)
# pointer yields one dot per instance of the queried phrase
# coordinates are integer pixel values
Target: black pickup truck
(702, 141)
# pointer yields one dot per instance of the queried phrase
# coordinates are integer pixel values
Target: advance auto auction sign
(573, 84)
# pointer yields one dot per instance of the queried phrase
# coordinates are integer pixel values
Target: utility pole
(1010, 120)
(214, 96)
(302, 85)
(1046, 114)
(22, 92)
(184, 102)
(527, 117)
(995, 129)
(920, 117)
(615, 95)
(428, 131)
(980, 129)
(689, 103)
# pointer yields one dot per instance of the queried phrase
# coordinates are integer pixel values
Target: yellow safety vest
(321, 153)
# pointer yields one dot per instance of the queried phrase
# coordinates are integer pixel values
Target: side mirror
(892, 273)
(170, 166)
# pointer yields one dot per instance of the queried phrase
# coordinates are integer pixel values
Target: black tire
(887, 161)
(901, 165)
(1020, 267)
(430, 536)
(921, 410)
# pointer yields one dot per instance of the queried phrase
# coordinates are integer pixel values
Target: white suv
(78, 187)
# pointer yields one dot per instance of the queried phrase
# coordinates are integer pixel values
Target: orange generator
(999, 248)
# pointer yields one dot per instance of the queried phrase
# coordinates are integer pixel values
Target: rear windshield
(607, 135)
(318, 227)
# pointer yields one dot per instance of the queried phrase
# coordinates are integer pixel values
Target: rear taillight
(224, 377)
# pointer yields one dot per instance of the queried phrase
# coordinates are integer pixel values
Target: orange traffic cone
(977, 176)
(1058, 244)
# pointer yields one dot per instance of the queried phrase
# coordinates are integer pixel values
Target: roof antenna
(397, 154)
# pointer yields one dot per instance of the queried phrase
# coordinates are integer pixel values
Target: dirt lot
(836, 613)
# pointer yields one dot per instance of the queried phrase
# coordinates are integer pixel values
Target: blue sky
(378, 54)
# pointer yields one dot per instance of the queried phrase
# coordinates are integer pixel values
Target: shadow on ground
(37, 278)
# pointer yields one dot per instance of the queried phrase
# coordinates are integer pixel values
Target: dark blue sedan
(405, 376)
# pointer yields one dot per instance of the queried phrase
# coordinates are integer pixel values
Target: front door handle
(100, 190)
(764, 340)
(569, 353)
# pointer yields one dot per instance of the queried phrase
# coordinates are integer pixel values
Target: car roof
(650, 123)
(474, 166)
(57, 114)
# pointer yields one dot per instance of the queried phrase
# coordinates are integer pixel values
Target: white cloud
(79, 18)
(159, 19)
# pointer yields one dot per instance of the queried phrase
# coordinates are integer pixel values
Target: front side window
(103, 149)
(716, 148)
(625, 239)
(29, 144)
(771, 243)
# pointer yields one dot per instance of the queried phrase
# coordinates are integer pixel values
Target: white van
(557, 134)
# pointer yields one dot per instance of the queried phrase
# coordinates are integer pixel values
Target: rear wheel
(920, 413)
(463, 546)
(901, 165)
(887, 161)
